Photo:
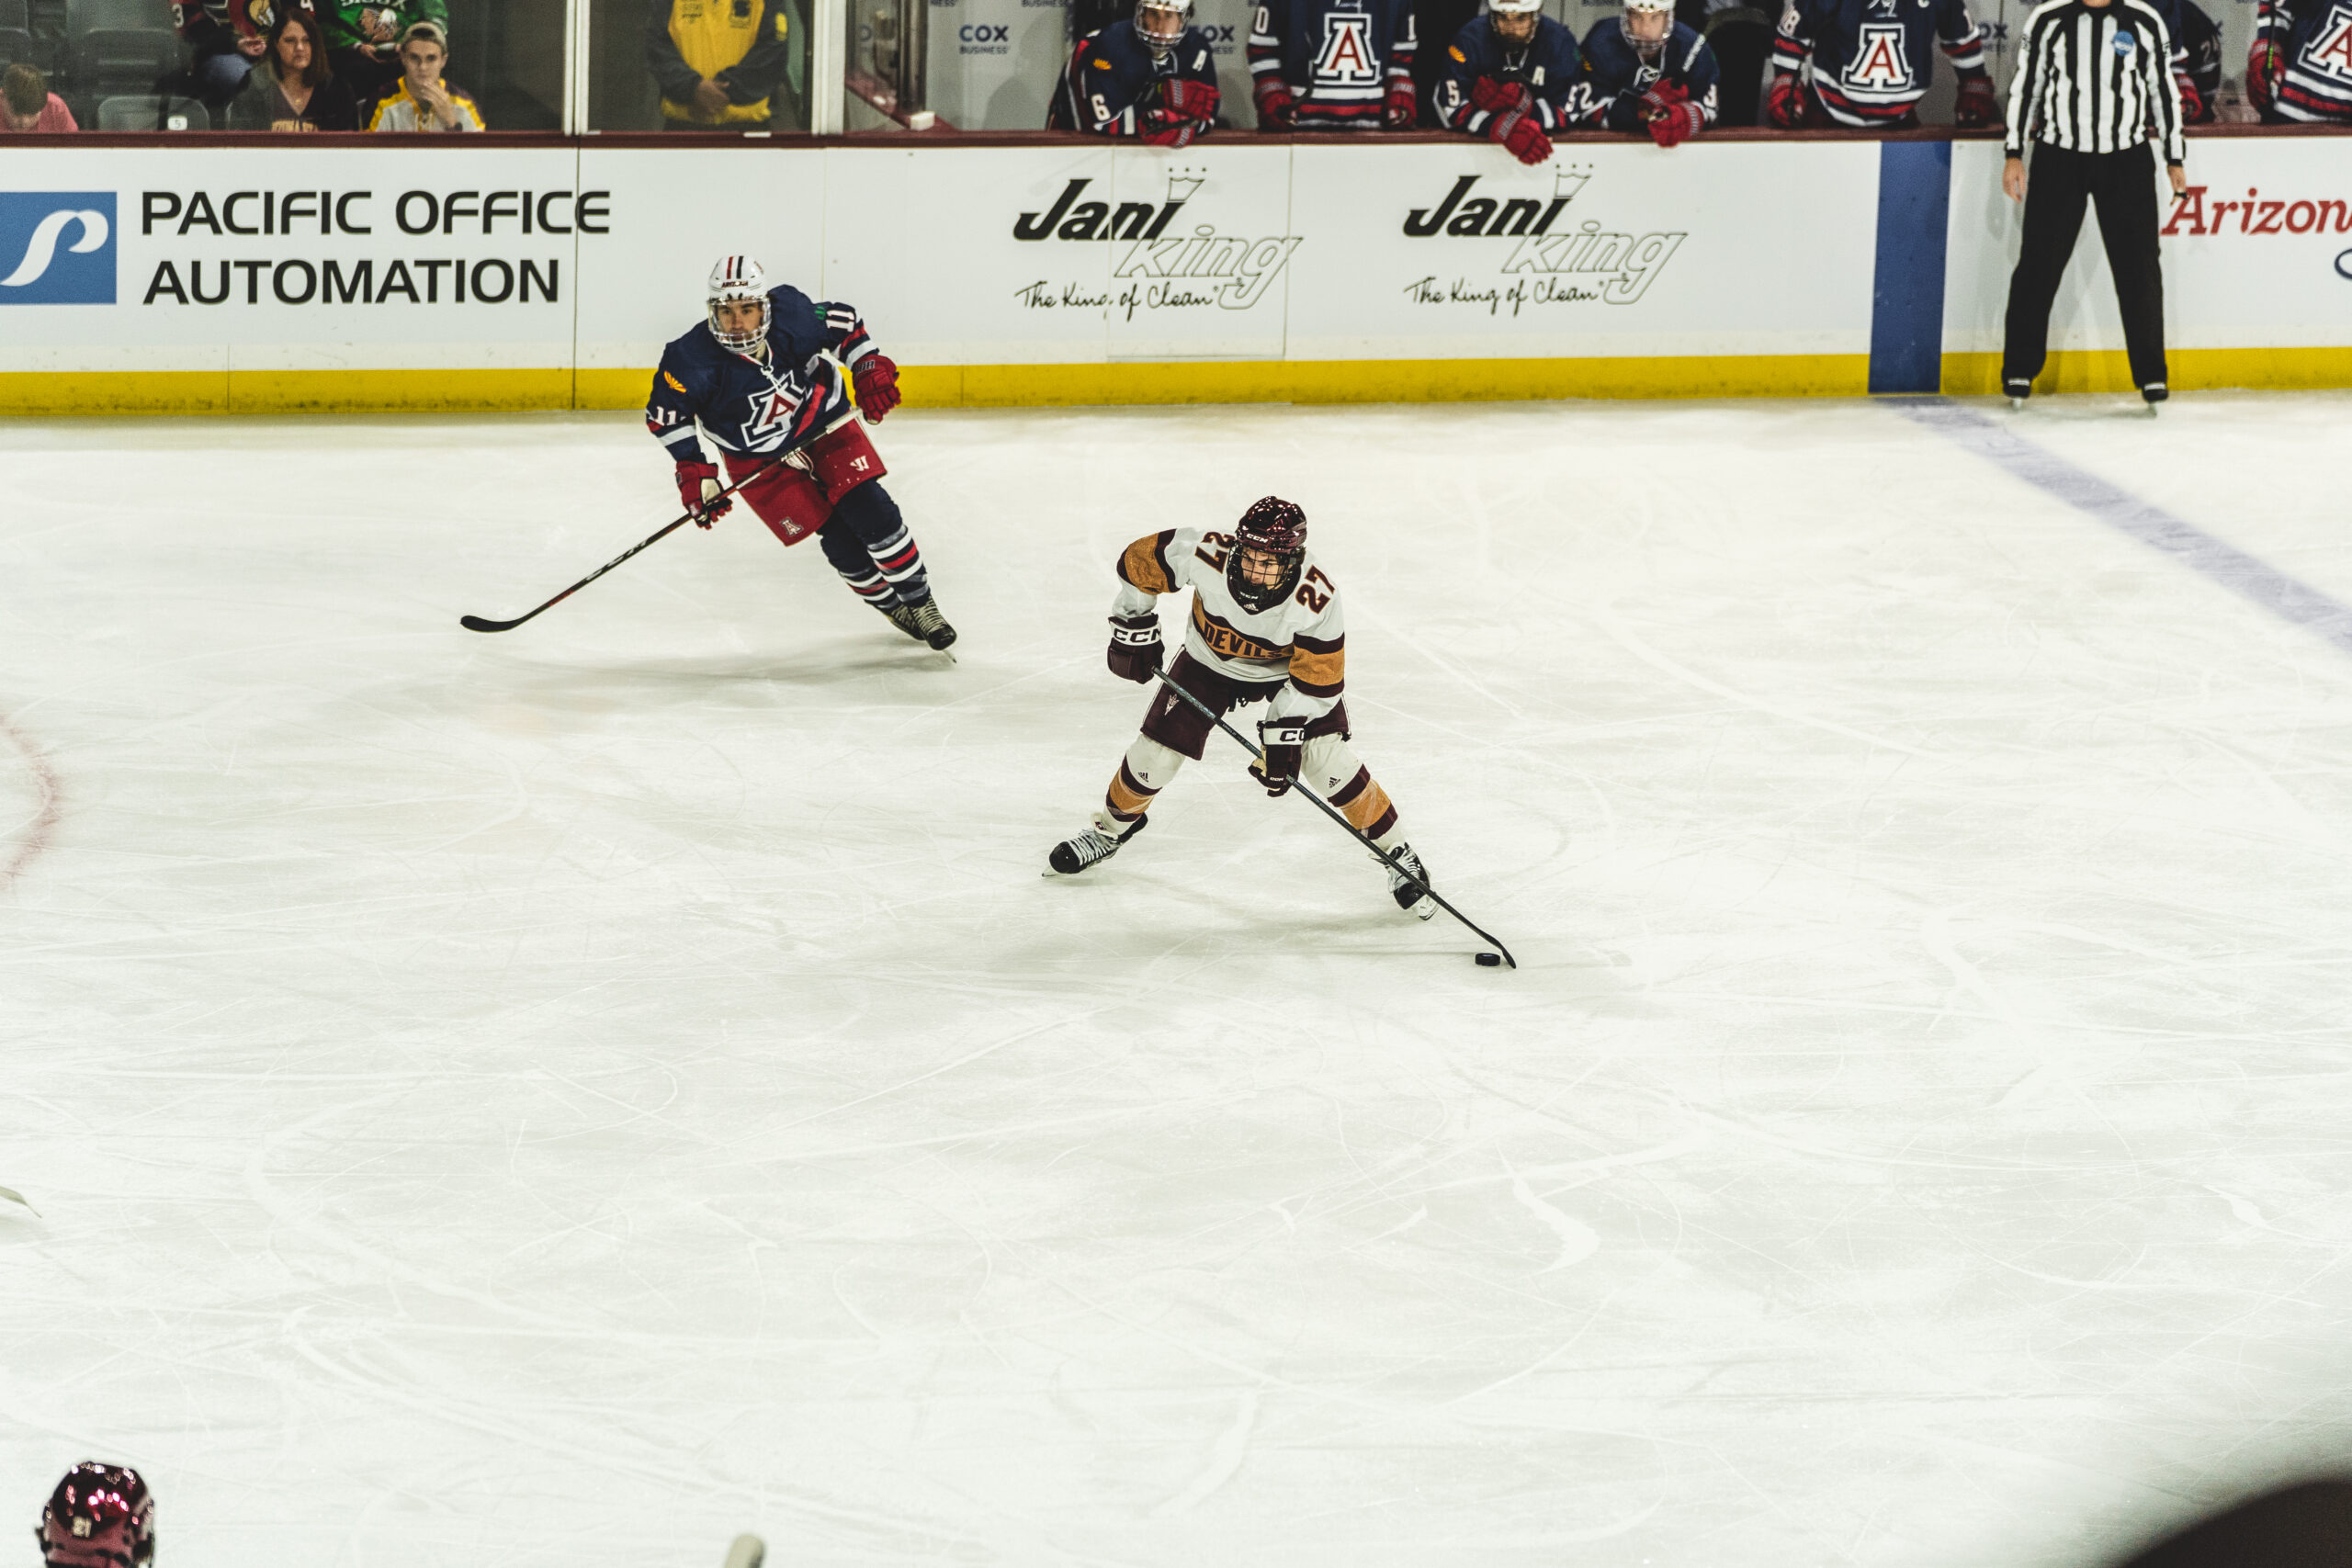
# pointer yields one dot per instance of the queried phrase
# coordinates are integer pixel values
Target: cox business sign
(58, 247)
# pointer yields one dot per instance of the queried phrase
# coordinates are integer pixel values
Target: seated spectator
(1333, 65)
(363, 38)
(30, 104)
(1648, 72)
(2296, 72)
(1440, 21)
(423, 101)
(717, 63)
(2196, 70)
(98, 1513)
(225, 38)
(294, 88)
(1153, 78)
(1512, 77)
(1871, 66)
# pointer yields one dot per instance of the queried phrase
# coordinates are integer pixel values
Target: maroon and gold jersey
(1300, 642)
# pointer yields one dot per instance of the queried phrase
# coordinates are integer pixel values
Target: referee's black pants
(2123, 184)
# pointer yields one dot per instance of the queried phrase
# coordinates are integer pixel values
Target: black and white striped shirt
(2095, 79)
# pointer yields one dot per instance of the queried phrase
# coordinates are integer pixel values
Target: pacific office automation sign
(406, 246)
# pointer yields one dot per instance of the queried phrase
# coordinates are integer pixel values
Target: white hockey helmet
(1515, 21)
(1160, 23)
(1656, 19)
(736, 279)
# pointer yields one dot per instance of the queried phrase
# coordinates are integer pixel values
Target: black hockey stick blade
(481, 623)
(1331, 811)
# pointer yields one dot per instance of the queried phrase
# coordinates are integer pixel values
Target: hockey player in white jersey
(1265, 627)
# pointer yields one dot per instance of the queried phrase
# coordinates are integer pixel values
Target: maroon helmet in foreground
(100, 1516)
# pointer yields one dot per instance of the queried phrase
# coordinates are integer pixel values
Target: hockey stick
(1325, 806)
(476, 624)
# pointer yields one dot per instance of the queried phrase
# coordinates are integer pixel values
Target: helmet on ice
(1272, 529)
(1648, 24)
(1160, 23)
(737, 278)
(100, 1516)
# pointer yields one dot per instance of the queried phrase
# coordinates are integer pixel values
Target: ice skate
(903, 617)
(1413, 899)
(929, 626)
(1093, 847)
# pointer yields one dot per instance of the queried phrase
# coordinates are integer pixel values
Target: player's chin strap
(1325, 806)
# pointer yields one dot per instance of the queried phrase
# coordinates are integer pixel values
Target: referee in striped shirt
(2094, 82)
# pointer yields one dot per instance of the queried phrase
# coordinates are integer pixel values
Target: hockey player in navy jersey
(762, 377)
(2197, 51)
(1153, 78)
(2299, 67)
(1871, 60)
(1333, 65)
(1646, 72)
(1512, 76)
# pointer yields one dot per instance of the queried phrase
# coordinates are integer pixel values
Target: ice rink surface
(561, 1098)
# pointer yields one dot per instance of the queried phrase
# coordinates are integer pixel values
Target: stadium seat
(17, 46)
(122, 45)
(16, 17)
(145, 111)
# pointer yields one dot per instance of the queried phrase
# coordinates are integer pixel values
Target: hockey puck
(1491, 960)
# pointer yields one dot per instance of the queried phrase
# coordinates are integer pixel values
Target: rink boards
(207, 277)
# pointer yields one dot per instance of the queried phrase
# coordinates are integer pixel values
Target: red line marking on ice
(38, 834)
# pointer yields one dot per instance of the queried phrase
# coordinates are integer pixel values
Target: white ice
(564, 1097)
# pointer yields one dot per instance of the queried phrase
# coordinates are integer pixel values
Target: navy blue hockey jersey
(1113, 81)
(2315, 39)
(1871, 59)
(1616, 76)
(771, 405)
(1338, 57)
(1548, 65)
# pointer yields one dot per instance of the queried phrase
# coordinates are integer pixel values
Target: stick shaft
(1325, 806)
(477, 624)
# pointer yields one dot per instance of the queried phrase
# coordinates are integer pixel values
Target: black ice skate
(1410, 887)
(929, 626)
(1093, 847)
(903, 617)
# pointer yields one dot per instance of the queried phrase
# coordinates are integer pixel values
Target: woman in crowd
(294, 88)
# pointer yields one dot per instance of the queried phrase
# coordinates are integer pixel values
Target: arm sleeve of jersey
(669, 415)
(2166, 88)
(1702, 74)
(1104, 105)
(669, 68)
(1319, 668)
(755, 75)
(2024, 87)
(1964, 41)
(1147, 569)
(1265, 48)
(843, 332)
(199, 26)
(1400, 51)
(1794, 42)
(1452, 93)
(1559, 101)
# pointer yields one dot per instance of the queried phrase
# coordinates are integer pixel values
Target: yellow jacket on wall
(738, 44)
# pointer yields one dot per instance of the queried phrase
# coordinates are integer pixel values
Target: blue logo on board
(57, 247)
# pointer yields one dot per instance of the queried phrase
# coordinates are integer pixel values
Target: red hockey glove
(1283, 741)
(1786, 103)
(1161, 129)
(1403, 108)
(2264, 65)
(1189, 100)
(1974, 106)
(876, 375)
(1495, 97)
(1277, 110)
(1675, 123)
(1663, 92)
(1517, 130)
(699, 488)
(2193, 107)
(1134, 648)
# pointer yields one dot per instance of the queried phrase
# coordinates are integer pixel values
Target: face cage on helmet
(741, 343)
(1251, 597)
(1160, 43)
(1648, 48)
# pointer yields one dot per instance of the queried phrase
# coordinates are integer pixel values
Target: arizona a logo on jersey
(772, 410)
(1346, 55)
(1878, 58)
(2331, 48)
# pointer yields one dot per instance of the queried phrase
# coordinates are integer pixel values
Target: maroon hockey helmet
(1279, 528)
(100, 1516)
